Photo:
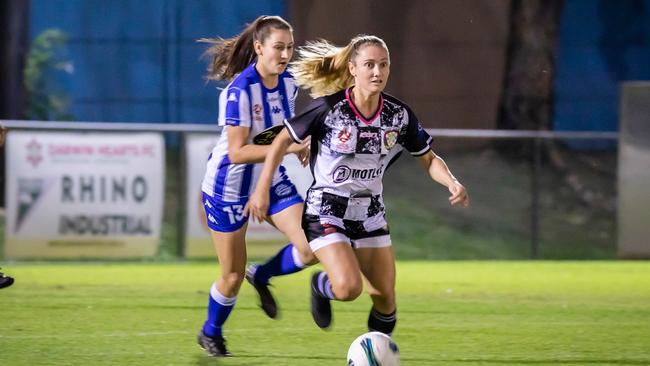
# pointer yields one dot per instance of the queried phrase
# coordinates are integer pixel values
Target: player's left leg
(285, 213)
(296, 255)
(378, 268)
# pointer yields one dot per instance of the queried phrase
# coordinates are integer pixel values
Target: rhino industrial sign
(83, 194)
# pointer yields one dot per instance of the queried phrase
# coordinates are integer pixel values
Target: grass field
(450, 313)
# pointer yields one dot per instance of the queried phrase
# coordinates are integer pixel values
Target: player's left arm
(418, 143)
(439, 171)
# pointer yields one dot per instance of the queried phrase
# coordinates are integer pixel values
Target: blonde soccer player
(356, 132)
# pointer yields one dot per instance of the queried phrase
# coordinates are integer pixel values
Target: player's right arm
(297, 130)
(258, 203)
(237, 118)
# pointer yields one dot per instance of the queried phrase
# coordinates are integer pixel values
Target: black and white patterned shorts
(322, 231)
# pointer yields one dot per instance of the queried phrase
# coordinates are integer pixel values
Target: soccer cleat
(5, 281)
(321, 309)
(267, 302)
(213, 346)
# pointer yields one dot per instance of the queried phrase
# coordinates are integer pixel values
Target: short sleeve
(292, 94)
(238, 112)
(305, 123)
(416, 140)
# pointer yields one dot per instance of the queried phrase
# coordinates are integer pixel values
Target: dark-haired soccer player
(260, 95)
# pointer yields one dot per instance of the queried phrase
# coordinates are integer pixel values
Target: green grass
(497, 225)
(450, 313)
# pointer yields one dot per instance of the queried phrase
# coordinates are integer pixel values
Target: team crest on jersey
(390, 138)
(344, 135)
(344, 140)
(257, 110)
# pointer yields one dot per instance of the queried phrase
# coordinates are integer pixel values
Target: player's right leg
(378, 267)
(285, 214)
(228, 234)
(341, 279)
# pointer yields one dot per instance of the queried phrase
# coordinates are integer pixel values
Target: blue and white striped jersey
(246, 102)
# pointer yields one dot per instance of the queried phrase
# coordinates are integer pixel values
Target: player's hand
(302, 151)
(257, 206)
(459, 195)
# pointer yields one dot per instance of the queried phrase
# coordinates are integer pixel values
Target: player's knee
(233, 280)
(347, 289)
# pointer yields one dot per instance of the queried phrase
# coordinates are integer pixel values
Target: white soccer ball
(373, 349)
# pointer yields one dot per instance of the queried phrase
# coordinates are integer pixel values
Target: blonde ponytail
(322, 68)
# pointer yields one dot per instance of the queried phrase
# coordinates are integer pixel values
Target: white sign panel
(73, 195)
(197, 236)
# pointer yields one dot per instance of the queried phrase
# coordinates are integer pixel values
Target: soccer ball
(373, 349)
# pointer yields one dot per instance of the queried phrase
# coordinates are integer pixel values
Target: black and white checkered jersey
(350, 153)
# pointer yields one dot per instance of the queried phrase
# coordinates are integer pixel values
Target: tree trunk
(14, 34)
(527, 99)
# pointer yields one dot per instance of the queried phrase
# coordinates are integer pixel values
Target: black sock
(379, 322)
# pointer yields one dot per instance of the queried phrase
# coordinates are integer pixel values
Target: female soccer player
(356, 133)
(261, 95)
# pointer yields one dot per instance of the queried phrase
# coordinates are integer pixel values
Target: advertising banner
(262, 239)
(83, 195)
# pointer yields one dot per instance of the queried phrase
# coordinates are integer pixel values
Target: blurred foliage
(46, 65)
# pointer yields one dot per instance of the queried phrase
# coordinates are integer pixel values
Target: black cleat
(267, 302)
(213, 346)
(321, 309)
(5, 281)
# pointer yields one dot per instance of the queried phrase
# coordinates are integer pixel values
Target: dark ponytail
(231, 56)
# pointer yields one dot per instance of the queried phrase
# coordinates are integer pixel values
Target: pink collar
(356, 111)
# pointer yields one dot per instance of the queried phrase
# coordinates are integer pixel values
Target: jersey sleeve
(292, 94)
(305, 123)
(416, 140)
(238, 110)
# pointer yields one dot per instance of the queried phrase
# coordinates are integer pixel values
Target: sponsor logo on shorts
(328, 229)
(283, 190)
